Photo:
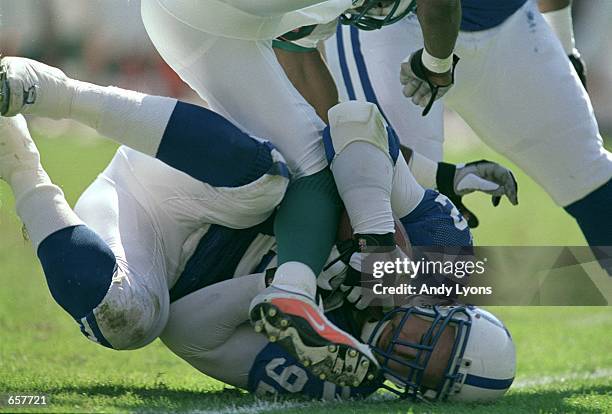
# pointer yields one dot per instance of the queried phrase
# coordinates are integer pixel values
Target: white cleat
(299, 326)
(31, 87)
(17, 150)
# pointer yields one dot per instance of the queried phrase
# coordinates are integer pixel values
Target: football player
(223, 50)
(298, 53)
(145, 224)
(432, 353)
(515, 87)
(146, 242)
(112, 262)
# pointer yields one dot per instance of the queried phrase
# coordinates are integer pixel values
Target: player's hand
(334, 273)
(422, 86)
(358, 285)
(580, 67)
(455, 181)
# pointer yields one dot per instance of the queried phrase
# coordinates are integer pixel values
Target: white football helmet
(479, 361)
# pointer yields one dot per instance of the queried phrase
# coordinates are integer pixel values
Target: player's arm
(558, 14)
(457, 180)
(310, 75)
(552, 5)
(427, 74)
(440, 21)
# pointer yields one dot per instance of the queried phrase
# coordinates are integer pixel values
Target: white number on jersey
(460, 222)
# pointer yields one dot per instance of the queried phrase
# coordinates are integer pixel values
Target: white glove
(455, 181)
(334, 273)
(487, 177)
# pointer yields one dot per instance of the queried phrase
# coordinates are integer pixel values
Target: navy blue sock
(79, 267)
(594, 215)
(211, 149)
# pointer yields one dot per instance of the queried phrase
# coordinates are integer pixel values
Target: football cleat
(299, 326)
(17, 150)
(31, 87)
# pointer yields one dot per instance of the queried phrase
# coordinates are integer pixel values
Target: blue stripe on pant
(89, 328)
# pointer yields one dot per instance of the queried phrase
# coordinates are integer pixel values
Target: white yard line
(532, 382)
(259, 406)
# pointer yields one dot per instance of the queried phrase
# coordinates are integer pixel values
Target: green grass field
(564, 354)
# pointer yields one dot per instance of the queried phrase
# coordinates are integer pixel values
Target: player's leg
(218, 343)
(365, 158)
(362, 159)
(369, 169)
(173, 133)
(243, 81)
(207, 329)
(285, 119)
(190, 138)
(548, 128)
(87, 273)
(135, 306)
(235, 76)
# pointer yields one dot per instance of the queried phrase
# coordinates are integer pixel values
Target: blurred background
(104, 41)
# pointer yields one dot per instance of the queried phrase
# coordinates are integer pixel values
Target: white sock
(296, 277)
(364, 176)
(407, 193)
(130, 118)
(41, 205)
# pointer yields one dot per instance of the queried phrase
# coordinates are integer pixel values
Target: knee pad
(111, 308)
(354, 121)
(78, 266)
(132, 314)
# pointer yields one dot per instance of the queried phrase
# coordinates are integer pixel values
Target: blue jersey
(485, 14)
(436, 222)
(275, 372)
(217, 256)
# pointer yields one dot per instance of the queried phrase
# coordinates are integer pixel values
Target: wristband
(436, 65)
(445, 178)
(560, 21)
